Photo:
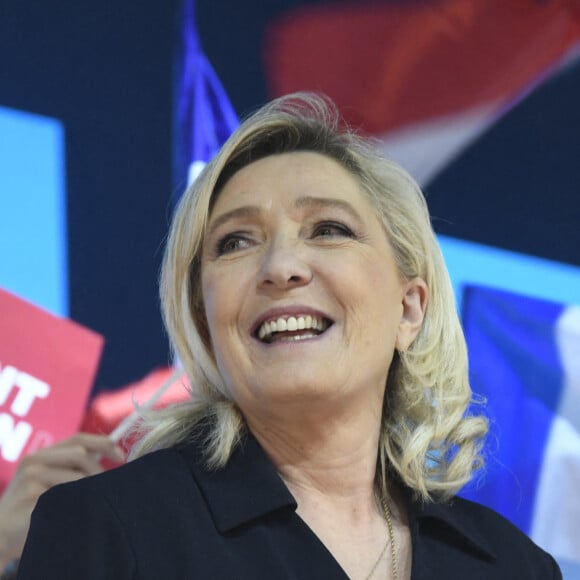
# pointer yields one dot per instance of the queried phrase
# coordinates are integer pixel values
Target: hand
(68, 460)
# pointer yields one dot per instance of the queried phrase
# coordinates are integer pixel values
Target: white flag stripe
(568, 342)
(194, 170)
(555, 524)
(424, 149)
(557, 509)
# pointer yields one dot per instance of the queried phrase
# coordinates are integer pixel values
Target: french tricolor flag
(204, 116)
(525, 360)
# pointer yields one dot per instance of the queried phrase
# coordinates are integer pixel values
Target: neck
(329, 467)
(328, 461)
(332, 454)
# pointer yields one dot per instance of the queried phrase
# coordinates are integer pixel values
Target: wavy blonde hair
(428, 440)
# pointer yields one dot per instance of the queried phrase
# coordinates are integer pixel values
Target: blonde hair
(428, 438)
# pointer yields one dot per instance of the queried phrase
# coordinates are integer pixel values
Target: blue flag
(205, 117)
(525, 359)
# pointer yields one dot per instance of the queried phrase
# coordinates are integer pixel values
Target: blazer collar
(249, 487)
(449, 515)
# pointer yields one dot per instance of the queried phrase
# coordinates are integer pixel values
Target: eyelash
(221, 246)
(337, 228)
(334, 229)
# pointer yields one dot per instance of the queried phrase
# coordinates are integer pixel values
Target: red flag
(47, 368)
(108, 409)
(427, 77)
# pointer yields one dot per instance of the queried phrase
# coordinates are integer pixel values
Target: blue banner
(525, 360)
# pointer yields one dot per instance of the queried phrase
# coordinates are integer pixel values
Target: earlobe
(414, 307)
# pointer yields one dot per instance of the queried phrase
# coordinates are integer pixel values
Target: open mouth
(292, 328)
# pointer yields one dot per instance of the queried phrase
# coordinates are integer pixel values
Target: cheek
(222, 305)
(216, 336)
(212, 300)
(385, 309)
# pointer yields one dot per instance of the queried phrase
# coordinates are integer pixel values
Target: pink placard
(47, 368)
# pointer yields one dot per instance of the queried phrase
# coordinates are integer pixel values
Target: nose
(284, 266)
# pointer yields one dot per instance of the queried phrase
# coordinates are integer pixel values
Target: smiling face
(302, 297)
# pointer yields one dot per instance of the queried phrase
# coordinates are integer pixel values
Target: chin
(302, 392)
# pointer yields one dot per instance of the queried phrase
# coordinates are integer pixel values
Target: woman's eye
(332, 229)
(232, 243)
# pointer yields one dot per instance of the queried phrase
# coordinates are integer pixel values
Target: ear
(415, 297)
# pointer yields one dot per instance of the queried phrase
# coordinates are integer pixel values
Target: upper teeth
(291, 323)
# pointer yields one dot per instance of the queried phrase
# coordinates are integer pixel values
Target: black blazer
(167, 517)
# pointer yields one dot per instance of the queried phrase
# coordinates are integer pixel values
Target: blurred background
(477, 98)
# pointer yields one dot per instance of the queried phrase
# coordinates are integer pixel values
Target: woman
(306, 296)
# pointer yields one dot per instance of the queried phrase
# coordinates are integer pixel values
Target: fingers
(41, 466)
(99, 444)
(40, 478)
(32, 480)
(80, 447)
(76, 457)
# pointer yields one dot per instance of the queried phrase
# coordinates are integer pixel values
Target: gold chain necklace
(391, 541)
(369, 575)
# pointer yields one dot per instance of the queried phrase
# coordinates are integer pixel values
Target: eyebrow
(246, 211)
(308, 202)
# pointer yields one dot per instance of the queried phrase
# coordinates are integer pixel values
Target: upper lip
(286, 312)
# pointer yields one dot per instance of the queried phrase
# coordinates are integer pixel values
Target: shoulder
(112, 524)
(479, 537)
(494, 529)
(147, 483)
(141, 476)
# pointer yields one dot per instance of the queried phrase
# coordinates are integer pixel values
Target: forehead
(285, 176)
